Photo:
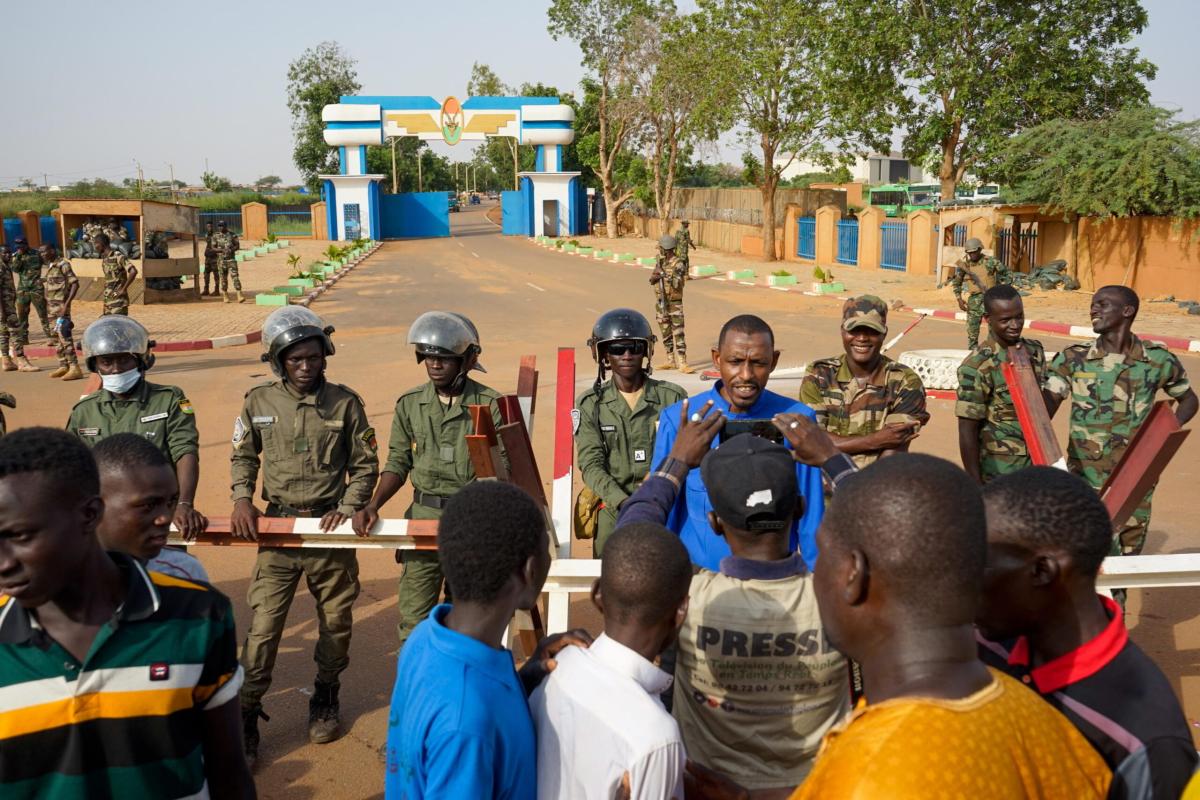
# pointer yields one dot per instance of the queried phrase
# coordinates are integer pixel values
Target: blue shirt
(689, 516)
(459, 725)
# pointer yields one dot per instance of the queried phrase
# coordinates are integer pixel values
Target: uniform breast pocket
(271, 441)
(329, 451)
(153, 428)
(1090, 392)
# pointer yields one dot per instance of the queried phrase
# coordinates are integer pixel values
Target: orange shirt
(1003, 741)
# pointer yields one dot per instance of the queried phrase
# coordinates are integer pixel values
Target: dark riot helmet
(288, 326)
(445, 333)
(113, 334)
(620, 323)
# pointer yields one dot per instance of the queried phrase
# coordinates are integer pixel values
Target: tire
(938, 369)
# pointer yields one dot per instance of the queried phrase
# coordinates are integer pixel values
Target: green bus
(900, 199)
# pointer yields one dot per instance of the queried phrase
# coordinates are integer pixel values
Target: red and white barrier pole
(561, 500)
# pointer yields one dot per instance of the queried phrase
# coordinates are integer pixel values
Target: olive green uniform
(977, 278)
(317, 453)
(615, 444)
(428, 446)
(160, 414)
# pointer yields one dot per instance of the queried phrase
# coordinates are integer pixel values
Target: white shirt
(598, 716)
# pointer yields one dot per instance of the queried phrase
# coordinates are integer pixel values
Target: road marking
(460, 244)
(475, 254)
(747, 283)
(535, 286)
(594, 311)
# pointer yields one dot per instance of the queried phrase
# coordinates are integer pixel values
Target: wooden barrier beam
(1143, 462)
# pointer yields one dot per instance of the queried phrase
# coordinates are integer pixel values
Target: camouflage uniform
(27, 267)
(668, 309)
(58, 280)
(226, 246)
(983, 395)
(10, 342)
(978, 277)
(210, 260)
(683, 244)
(1111, 396)
(893, 395)
(116, 271)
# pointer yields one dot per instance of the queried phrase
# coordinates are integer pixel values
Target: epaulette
(830, 361)
(351, 392)
(414, 390)
(259, 386)
(85, 398)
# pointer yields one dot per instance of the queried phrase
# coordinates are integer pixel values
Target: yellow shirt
(1003, 741)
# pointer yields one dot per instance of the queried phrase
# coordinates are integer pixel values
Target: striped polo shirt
(126, 721)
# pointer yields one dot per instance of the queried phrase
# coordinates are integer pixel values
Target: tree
(268, 182)
(215, 183)
(605, 33)
(319, 77)
(962, 76)
(486, 83)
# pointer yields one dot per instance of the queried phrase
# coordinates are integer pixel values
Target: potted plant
(781, 278)
(824, 283)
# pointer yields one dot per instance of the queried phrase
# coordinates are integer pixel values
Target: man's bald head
(644, 575)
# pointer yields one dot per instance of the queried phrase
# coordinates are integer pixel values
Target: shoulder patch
(575, 417)
(185, 406)
(239, 431)
(368, 439)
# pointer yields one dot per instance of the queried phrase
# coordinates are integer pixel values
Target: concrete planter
(828, 288)
(272, 246)
(263, 299)
(300, 282)
(623, 258)
(584, 251)
(602, 254)
(647, 262)
(290, 290)
(246, 255)
(781, 280)
(569, 248)
(704, 272)
(285, 242)
(740, 275)
(239, 257)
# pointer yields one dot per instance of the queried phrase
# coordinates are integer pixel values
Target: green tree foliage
(961, 76)
(319, 77)
(268, 182)
(215, 183)
(436, 173)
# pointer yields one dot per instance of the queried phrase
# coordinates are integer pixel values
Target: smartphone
(763, 428)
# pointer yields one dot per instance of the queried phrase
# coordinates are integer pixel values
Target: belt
(430, 500)
(281, 510)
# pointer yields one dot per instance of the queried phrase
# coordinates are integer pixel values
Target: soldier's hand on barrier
(331, 520)
(542, 662)
(364, 520)
(243, 522)
(895, 434)
(189, 521)
(696, 432)
(701, 782)
(810, 444)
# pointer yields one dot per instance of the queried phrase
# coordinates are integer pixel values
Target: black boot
(250, 718)
(323, 723)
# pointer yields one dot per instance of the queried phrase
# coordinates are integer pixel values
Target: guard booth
(181, 224)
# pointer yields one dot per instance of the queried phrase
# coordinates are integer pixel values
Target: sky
(196, 84)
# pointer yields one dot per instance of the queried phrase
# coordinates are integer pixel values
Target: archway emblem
(452, 120)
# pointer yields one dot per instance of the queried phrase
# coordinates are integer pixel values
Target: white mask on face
(122, 382)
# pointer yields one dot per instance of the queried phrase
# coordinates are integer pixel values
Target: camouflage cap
(865, 311)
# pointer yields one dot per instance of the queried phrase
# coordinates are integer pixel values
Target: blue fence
(894, 245)
(806, 237)
(847, 241)
(1027, 258)
(231, 218)
(289, 223)
(959, 235)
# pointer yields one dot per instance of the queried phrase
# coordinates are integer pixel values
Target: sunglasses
(625, 348)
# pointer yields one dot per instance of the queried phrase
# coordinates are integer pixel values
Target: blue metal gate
(513, 221)
(847, 241)
(894, 245)
(806, 237)
(414, 215)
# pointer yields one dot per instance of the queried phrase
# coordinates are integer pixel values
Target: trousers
(227, 269)
(668, 311)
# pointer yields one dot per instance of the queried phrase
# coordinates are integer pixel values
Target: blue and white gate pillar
(352, 196)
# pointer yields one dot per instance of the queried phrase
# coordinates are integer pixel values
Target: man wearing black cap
(756, 682)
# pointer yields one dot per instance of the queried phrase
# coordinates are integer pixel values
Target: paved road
(524, 300)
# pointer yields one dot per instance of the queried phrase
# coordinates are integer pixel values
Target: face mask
(122, 382)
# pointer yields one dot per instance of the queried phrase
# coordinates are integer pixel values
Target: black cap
(751, 483)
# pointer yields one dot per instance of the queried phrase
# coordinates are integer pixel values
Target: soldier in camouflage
(118, 276)
(1112, 383)
(668, 278)
(990, 440)
(978, 274)
(870, 405)
(10, 348)
(27, 269)
(683, 244)
(61, 288)
(210, 258)
(226, 245)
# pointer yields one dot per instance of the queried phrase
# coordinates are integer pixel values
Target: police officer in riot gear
(428, 446)
(615, 421)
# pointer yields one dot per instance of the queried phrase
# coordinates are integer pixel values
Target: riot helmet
(445, 333)
(285, 327)
(620, 323)
(114, 334)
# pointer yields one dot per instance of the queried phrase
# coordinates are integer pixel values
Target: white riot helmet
(285, 327)
(445, 333)
(114, 334)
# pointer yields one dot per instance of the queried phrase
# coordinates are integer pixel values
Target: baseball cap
(751, 483)
(865, 311)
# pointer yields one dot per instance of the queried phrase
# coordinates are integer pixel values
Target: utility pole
(45, 181)
(141, 190)
(394, 175)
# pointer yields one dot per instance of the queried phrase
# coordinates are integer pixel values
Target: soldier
(118, 276)
(683, 244)
(428, 444)
(1112, 383)
(871, 405)
(27, 269)
(210, 258)
(12, 352)
(155, 245)
(61, 288)
(990, 440)
(980, 274)
(118, 350)
(319, 460)
(668, 278)
(226, 245)
(615, 422)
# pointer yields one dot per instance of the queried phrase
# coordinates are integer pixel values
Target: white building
(873, 169)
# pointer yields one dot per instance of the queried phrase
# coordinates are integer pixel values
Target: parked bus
(899, 199)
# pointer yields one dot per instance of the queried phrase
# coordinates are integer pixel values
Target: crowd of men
(948, 640)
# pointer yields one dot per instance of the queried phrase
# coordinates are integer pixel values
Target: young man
(428, 445)
(459, 724)
(598, 716)
(119, 275)
(616, 421)
(140, 493)
(210, 259)
(871, 405)
(978, 274)
(118, 349)
(61, 286)
(757, 684)
(990, 440)
(1112, 384)
(225, 244)
(1043, 623)
(27, 267)
(318, 460)
(745, 355)
(668, 278)
(117, 682)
